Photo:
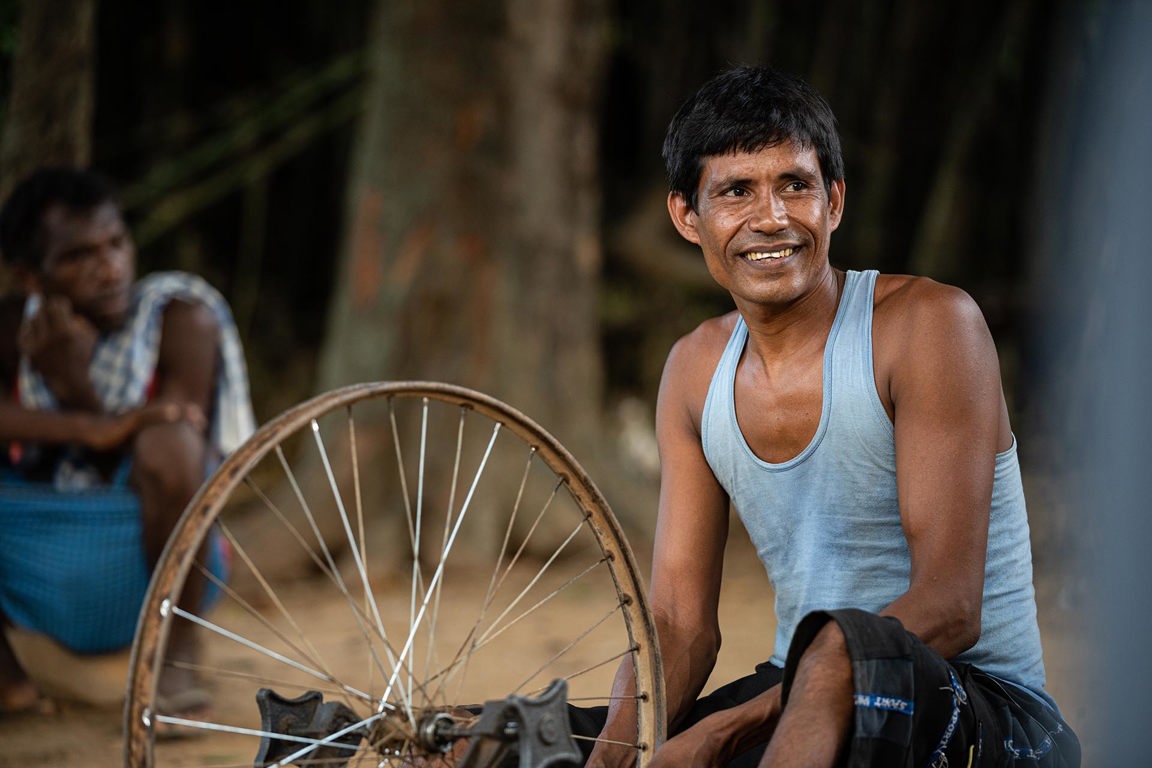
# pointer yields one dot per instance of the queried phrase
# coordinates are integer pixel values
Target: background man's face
(89, 258)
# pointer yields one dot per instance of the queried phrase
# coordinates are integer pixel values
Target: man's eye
(72, 257)
(736, 192)
(797, 186)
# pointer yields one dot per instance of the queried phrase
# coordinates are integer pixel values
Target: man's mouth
(783, 253)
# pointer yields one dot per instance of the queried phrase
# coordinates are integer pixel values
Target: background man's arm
(187, 364)
(186, 367)
(92, 430)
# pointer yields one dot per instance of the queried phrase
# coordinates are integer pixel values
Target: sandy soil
(75, 734)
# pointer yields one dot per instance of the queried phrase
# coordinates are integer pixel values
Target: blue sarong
(73, 564)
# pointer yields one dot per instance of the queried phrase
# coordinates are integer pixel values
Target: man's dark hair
(21, 233)
(747, 109)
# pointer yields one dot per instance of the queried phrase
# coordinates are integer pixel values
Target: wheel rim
(509, 530)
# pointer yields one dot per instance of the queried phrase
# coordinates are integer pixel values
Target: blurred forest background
(473, 191)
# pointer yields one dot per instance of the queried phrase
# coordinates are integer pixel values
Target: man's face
(89, 258)
(764, 222)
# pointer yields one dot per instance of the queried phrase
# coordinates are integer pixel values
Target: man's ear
(683, 217)
(836, 203)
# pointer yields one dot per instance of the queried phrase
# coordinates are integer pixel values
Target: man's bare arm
(189, 346)
(187, 361)
(692, 527)
(99, 432)
(950, 421)
(691, 531)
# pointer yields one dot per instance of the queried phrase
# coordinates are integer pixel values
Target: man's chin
(108, 322)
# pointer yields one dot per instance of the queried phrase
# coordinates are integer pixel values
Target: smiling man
(856, 423)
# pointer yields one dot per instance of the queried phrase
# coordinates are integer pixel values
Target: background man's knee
(168, 459)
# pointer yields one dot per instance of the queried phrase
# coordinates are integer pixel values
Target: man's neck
(780, 333)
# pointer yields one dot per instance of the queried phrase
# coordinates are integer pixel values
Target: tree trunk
(546, 319)
(472, 249)
(49, 117)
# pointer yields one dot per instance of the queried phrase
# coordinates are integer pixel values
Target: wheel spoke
(309, 744)
(268, 652)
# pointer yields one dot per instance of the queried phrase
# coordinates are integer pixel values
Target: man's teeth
(761, 255)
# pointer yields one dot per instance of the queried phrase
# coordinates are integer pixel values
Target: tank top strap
(849, 369)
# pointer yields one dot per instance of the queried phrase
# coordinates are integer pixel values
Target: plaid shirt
(124, 364)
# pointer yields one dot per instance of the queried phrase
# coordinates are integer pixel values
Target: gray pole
(1096, 258)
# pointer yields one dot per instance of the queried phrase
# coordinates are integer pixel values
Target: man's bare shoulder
(702, 347)
(188, 321)
(691, 363)
(905, 303)
(921, 325)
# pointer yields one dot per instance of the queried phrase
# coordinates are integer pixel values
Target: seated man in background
(110, 385)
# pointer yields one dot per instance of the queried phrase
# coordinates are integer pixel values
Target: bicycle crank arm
(536, 728)
(305, 717)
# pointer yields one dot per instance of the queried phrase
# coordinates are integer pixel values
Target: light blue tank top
(826, 523)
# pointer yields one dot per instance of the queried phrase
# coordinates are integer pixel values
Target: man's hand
(697, 746)
(722, 736)
(109, 432)
(59, 344)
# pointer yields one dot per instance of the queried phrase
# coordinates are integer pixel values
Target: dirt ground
(82, 735)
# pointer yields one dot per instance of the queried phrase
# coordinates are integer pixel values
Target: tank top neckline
(735, 352)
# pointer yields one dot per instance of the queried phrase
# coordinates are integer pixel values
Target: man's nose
(111, 262)
(769, 213)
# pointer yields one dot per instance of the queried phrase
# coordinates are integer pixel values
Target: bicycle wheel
(405, 551)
